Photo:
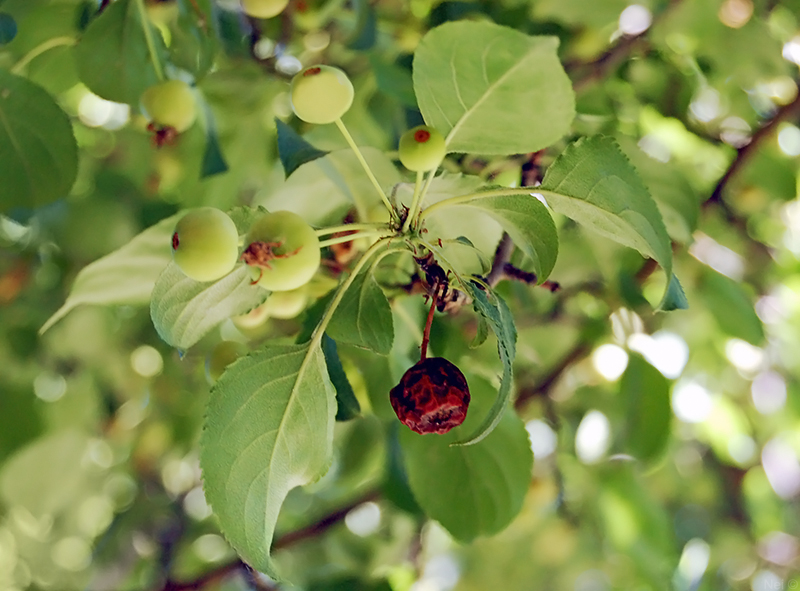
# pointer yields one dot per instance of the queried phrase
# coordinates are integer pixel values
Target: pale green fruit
(170, 104)
(282, 250)
(205, 244)
(286, 304)
(321, 94)
(224, 353)
(264, 8)
(421, 148)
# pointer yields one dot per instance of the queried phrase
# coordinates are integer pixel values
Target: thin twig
(586, 73)
(744, 153)
(543, 387)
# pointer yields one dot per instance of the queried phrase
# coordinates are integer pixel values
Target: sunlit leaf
(184, 310)
(593, 183)
(492, 90)
(364, 317)
(124, 277)
(268, 429)
(530, 226)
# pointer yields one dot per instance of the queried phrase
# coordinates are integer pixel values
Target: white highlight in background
(691, 402)
(635, 20)
(744, 356)
(543, 439)
(610, 361)
(782, 468)
(364, 519)
(665, 351)
(593, 437)
(769, 392)
(693, 562)
(789, 140)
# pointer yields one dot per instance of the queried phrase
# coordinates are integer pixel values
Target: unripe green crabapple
(282, 251)
(264, 8)
(321, 94)
(421, 148)
(205, 244)
(170, 104)
(286, 304)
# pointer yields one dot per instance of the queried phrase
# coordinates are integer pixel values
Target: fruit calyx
(432, 397)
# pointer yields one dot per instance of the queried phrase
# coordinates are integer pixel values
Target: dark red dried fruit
(432, 397)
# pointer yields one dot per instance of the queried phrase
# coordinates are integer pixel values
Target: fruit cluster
(281, 248)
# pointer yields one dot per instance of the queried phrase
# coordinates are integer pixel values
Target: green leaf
(732, 307)
(364, 317)
(676, 199)
(184, 310)
(347, 406)
(268, 429)
(8, 28)
(645, 392)
(674, 298)
(593, 183)
(213, 159)
(124, 277)
(194, 44)
(112, 56)
(475, 490)
(394, 80)
(293, 150)
(496, 313)
(37, 148)
(366, 31)
(492, 90)
(530, 226)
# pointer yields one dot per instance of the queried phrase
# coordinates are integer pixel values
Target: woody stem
(426, 336)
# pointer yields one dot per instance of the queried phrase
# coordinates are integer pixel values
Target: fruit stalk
(364, 165)
(426, 336)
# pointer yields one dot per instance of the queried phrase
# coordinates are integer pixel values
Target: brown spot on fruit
(176, 241)
(432, 397)
(422, 135)
(312, 71)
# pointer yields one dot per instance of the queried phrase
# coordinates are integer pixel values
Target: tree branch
(285, 540)
(744, 153)
(544, 385)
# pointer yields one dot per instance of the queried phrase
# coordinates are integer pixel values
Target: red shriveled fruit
(432, 397)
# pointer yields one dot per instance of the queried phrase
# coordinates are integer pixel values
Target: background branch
(288, 539)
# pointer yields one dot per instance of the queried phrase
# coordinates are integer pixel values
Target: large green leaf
(530, 226)
(492, 90)
(112, 56)
(38, 152)
(364, 317)
(645, 392)
(268, 429)
(124, 277)
(498, 316)
(475, 490)
(593, 183)
(184, 310)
